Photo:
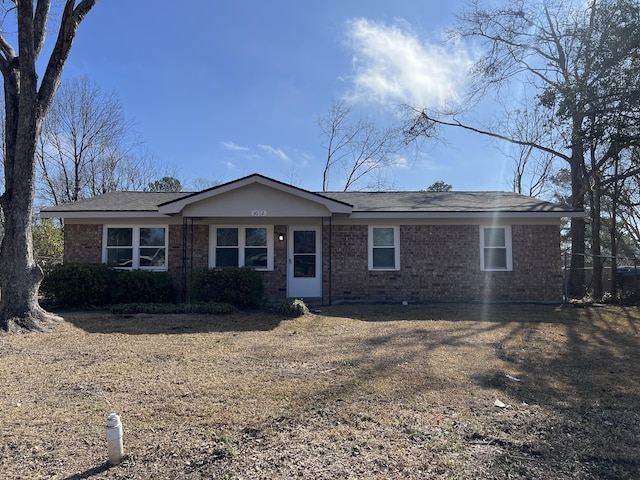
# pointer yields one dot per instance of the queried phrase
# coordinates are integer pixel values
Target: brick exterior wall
(82, 243)
(442, 263)
(196, 254)
(275, 281)
(437, 263)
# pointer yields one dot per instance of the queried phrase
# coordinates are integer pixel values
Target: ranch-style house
(331, 247)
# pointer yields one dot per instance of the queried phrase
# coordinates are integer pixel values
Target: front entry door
(305, 266)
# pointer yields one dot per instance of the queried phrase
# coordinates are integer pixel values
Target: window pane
(304, 241)
(383, 237)
(152, 257)
(304, 266)
(227, 237)
(256, 237)
(494, 237)
(119, 237)
(152, 237)
(255, 257)
(226, 257)
(120, 257)
(384, 258)
(495, 258)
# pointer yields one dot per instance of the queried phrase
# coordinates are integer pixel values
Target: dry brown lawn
(352, 392)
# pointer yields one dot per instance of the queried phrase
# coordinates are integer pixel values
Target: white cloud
(275, 151)
(402, 162)
(234, 147)
(394, 66)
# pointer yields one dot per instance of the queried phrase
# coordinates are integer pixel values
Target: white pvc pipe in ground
(113, 432)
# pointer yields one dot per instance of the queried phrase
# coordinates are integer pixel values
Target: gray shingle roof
(443, 202)
(120, 202)
(446, 202)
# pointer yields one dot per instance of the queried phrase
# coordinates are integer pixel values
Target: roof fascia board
(354, 215)
(101, 214)
(392, 215)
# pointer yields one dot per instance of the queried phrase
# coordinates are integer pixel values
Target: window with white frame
(135, 247)
(495, 248)
(234, 246)
(384, 248)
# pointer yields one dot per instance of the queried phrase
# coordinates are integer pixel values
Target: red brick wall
(82, 243)
(275, 281)
(438, 263)
(196, 253)
(442, 263)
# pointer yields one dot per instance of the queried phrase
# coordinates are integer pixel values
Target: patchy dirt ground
(376, 392)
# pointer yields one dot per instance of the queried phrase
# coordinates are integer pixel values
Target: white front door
(305, 263)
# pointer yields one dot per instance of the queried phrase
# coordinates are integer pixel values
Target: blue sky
(220, 89)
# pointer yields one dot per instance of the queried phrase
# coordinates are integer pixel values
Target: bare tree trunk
(578, 226)
(25, 107)
(20, 277)
(613, 229)
(596, 244)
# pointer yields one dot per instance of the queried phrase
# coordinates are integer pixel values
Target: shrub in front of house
(291, 308)
(140, 286)
(241, 287)
(78, 284)
(172, 308)
(87, 284)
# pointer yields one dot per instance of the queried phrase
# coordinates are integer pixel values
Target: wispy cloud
(394, 66)
(234, 147)
(275, 151)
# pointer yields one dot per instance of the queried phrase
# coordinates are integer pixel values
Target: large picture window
(242, 247)
(384, 248)
(495, 248)
(135, 247)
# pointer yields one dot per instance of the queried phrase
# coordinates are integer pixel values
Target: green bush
(167, 308)
(241, 287)
(78, 284)
(83, 284)
(291, 308)
(48, 243)
(138, 286)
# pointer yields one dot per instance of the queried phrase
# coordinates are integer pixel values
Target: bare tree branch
(358, 146)
(71, 18)
(40, 25)
(426, 118)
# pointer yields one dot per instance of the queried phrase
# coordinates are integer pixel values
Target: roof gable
(252, 194)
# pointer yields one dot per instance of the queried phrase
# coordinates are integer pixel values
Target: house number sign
(258, 213)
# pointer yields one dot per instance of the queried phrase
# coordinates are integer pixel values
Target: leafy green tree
(439, 186)
(165, 184)
(48, 242)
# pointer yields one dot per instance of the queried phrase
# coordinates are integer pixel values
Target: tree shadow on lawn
(475, 312)
(592, 382)
(569, 376)
(170, 324)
